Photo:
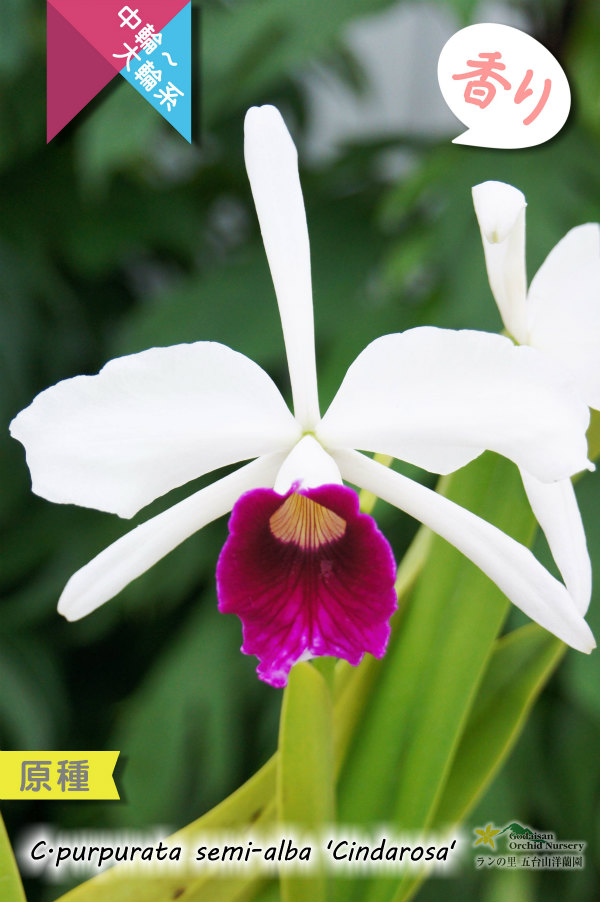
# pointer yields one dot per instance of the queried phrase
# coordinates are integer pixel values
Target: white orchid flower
(560, 317)
(305, 572)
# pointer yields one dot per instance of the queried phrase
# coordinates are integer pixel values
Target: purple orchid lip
(307, 575)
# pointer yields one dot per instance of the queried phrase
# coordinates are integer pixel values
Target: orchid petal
(579, 247)
(509, 564)
(148, 423)
(565, 319)
(140, 549)
(307, 466)
(556, 510)
(500, 210)
(272, 165)
(438, 398)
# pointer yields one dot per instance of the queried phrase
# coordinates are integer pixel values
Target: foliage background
(117, 237)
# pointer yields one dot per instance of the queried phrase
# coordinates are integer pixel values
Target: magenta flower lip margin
(152, 421)
(307, 577)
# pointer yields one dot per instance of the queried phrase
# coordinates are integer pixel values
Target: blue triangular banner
(161, 71)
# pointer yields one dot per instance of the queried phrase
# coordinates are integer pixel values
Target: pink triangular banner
(100, 22)
(76, 72)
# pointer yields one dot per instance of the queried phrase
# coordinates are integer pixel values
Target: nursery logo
(523, 847)
(148, 43)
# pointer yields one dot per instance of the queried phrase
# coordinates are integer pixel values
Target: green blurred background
(119, 236)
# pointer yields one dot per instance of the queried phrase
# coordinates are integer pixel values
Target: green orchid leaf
(161, 889)
(464, 614)
(594, 435)
(519, 668)
(427, 683)
(223, 889)
(11, 889)
(305, 799)
(446, 600)
(305, 774)
(252, 803)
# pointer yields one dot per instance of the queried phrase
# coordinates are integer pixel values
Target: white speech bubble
(505, 86)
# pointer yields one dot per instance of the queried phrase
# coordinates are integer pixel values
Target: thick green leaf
(520, 665)
(11, 889)
(305, 775)
(224, 889)
(252, 803)
(594, 435)
(428, 680)
(408, 668)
